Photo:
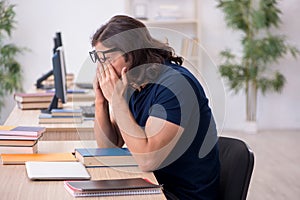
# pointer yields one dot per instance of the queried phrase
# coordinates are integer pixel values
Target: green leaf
(236, 13)
(261, 47)
(7, 15)
(272, 84)
(271, 12)
(10, 69)
(234, 74)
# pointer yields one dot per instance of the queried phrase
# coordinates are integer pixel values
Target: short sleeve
(166, 106)
(175, 99)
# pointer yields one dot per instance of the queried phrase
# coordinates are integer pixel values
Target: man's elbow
(148, 164)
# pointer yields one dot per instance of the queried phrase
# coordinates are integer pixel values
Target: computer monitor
(59, 72)
(57, 43)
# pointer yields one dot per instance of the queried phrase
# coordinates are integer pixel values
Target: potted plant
(10, 69)
(252, 72)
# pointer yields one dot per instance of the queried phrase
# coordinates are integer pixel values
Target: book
(66, 112)
(195, 47)
(22, 130)
(45, 118)
(112, 187)
(16, 159)
(184, 47)
(79, 97)
(49, 82)
(40, 100)
(105, 157)
(19, 137)
(36, 105)
(33, 97)
(19, 149)
(56, 170)
(17, 143)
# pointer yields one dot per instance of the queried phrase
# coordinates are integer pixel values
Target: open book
(112, 187)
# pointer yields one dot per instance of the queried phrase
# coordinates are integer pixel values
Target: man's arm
(150, 145)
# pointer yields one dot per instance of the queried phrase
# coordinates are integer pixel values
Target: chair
(236, 161)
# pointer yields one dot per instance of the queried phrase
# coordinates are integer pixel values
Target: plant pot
(250, 127)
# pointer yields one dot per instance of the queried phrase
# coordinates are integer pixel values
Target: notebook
(56, 171)
(112, 187)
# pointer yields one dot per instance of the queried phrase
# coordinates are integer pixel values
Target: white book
(56, 171)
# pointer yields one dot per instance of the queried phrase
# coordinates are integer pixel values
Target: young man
(146, 99)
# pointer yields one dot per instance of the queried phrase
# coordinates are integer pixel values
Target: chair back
(236, 161)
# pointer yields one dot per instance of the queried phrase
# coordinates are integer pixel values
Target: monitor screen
(59, 73)
(57, 43)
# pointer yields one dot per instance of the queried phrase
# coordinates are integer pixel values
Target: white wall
(275, 111)
(37, 22)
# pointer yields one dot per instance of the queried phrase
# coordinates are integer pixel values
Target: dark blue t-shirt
(191, 170)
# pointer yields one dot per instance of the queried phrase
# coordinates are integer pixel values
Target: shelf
(170, 22)
(175, 22)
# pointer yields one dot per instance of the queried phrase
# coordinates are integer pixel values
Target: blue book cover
(66, 111)
(37, 129)
(49, 116)
(91, 152)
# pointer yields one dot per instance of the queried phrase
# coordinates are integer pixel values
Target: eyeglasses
(94, 55)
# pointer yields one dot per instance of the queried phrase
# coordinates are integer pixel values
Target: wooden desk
(14, 183)
(83, 131)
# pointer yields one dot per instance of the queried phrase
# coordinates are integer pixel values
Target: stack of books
(98, 157)
(20, 139)
(49, 82)
(37, 100)
(41, 100)
(61, 116)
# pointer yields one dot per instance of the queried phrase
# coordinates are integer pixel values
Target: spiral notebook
(112, 187)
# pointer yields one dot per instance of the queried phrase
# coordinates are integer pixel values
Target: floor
(276, 174)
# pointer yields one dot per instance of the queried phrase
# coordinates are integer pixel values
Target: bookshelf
(172, 21)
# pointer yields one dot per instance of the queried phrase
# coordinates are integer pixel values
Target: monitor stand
(39, 84)
(53, 104)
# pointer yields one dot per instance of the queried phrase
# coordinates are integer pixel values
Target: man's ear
(128, 58)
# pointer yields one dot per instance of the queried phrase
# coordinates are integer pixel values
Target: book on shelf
(66, 112)
(112, 187)
(195, 47)
(22, 130)
(19, 149)
(17, 159)
(105, 157)
(184, 47)
(189, 47)
(46, 118)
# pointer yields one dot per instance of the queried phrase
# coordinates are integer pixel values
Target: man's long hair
(133, 38)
